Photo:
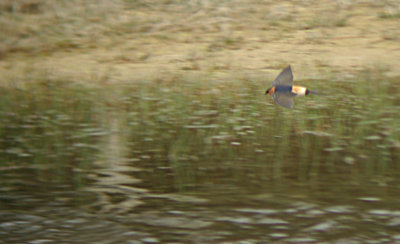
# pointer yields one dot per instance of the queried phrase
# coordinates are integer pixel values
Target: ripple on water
(324, 226)
(313, 213)
(384, 212)
(301, 240)
(41, 241)
(172, 222)
(369, 199)
(395, 222)
(236, 220)
(150, 240)
(301, 206)
(272, 221)
(258, 211)
(179, 198)
(278, 235)
(340, 209)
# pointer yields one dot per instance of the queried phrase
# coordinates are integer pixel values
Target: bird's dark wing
(285, 99)
(284, 78)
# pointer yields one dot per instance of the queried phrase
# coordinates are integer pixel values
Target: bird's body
(283, 91)
(298, 90)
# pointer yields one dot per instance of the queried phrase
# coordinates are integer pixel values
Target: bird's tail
(313, 92)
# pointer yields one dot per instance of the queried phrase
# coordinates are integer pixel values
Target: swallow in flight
(283, 91)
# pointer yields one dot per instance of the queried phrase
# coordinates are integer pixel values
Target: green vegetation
(184, 120)
(50, 124)
(355, 119)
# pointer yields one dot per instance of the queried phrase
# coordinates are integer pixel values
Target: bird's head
(270, 91)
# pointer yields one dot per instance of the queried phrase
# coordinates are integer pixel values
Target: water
(186, 164)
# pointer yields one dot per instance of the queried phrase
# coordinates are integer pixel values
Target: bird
(283, 91)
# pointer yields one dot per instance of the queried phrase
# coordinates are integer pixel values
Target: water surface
(191, 163)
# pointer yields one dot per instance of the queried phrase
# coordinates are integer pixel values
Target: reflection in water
(114, 186)
(181, 164)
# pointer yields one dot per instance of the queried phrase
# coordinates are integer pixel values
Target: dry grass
(141, 39)
(42, 27)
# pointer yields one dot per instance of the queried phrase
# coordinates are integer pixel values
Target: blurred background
(134, 121)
